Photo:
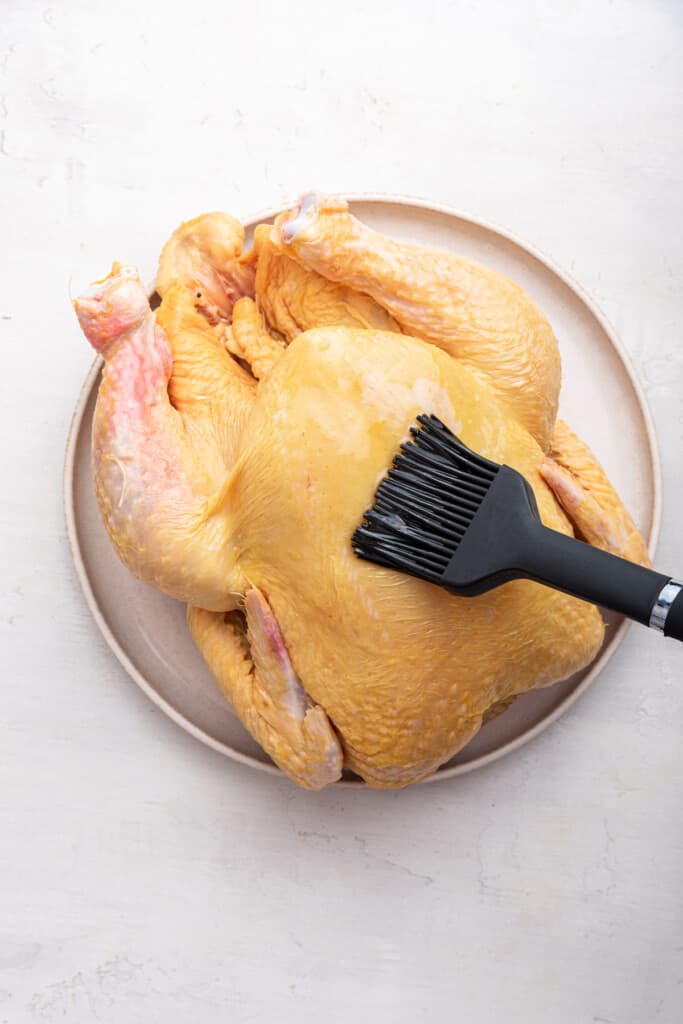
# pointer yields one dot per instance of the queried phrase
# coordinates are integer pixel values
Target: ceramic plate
(601, 397)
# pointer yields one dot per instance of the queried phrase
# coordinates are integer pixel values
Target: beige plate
(601, 397)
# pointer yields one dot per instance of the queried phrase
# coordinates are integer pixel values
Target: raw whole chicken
(239, 436)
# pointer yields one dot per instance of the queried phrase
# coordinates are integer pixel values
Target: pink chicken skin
(160, 501)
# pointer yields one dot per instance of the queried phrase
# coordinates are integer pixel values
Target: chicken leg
(476, 314)
(294, 298)
(169, 413)
(580, 484)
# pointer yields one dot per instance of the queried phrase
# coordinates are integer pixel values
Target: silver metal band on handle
(667, 596)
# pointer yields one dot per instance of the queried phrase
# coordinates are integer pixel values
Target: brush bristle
(425, 504)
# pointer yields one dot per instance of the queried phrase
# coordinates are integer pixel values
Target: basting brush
(449, 516)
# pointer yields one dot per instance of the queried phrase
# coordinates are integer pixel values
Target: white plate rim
(608, 652)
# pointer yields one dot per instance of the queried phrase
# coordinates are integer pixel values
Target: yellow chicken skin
(248, 338)
(581, 486)
(476, 314)
(251, 664)
(294, 299)
(404, 671)
(238, 491)
(205, 255)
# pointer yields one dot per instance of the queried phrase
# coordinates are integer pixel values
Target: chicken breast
(404, 671)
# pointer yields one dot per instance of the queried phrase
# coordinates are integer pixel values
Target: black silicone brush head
(451, 517)
(426, 504)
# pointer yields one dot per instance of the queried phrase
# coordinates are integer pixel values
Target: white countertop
(144, 878)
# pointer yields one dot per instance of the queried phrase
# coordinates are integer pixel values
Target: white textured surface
(144, 878)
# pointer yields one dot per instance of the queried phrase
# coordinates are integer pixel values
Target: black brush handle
(601, 578)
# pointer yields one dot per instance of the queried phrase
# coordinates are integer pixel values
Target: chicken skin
(582, 488)
(475, 314)
(404, 671)
(293, 299)
(240, 434)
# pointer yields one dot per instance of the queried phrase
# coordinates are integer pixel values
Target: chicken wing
(205, 254)
(580, 484)
(255, 674)
(248, 338)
